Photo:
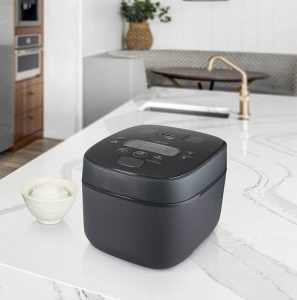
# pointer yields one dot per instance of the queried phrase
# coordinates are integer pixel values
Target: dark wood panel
(28, 98)
(28, 123)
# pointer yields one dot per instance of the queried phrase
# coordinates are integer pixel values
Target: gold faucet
(244, 113)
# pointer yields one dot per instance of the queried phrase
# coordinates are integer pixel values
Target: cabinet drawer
(28, 98)
(28, 123)
(28, 82)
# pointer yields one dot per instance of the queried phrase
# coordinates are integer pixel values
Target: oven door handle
(28, 51)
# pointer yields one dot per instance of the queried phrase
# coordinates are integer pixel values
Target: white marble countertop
(250, 255)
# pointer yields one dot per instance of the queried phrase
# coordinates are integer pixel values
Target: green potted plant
(137, 13)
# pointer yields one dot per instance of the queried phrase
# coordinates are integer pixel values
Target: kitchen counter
(250, 255)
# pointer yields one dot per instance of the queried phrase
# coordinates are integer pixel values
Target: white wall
(235, 25)
(62, 52)
(102, 26)
(73, 29)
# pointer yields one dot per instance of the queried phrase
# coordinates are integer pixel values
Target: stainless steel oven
(28, 56)
(28, 13)
(27, 41)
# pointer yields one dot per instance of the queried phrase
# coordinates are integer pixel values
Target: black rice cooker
(152, 194)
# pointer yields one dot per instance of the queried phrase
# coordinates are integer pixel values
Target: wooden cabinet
(28, 30)
(28, 124)
(28, 100)
(28, 83)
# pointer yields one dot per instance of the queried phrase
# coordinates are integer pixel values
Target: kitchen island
(250, 255)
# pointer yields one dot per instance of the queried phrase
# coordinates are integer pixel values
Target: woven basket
(139, 36)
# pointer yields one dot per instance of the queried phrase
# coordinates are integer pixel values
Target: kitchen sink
(186, 109)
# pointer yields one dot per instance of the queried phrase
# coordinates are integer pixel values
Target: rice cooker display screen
(152, 147)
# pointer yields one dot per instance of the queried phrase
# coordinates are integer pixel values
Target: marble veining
(11, 209)
(15, 284)
(270, 280)
(68, 168)
(250, 255)
(284, 205)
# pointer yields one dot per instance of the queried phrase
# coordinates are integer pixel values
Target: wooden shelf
(28, 30)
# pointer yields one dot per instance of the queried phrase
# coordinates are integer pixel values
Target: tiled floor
(10, 161)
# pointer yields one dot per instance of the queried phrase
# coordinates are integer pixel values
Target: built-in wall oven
(28, 56)
(28, 13)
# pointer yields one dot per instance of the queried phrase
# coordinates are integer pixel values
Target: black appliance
(28, 13)
(152, 194)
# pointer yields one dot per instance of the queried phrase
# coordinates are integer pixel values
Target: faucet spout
(244, 110)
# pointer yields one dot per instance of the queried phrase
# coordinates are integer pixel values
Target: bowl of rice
(49, 199)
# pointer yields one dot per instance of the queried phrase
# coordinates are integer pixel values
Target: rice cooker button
(140, 154)
(130, 162)
(190, 153)
(185, 156)
(169, 136)
(157, 162)
(158, 157)
(114, 142)
(124, 150)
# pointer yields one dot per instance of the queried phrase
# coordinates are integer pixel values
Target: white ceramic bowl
(49, 211)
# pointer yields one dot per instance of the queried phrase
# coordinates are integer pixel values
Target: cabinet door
(26, 83)
(28, 123)
(28, 98)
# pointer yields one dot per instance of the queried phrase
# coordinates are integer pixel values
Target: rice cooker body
(152, 194)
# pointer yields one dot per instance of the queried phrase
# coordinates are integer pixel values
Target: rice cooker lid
(155, 163)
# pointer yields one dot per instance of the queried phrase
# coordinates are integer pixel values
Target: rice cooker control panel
(155, 151)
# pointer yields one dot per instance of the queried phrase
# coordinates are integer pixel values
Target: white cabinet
(110, 82)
